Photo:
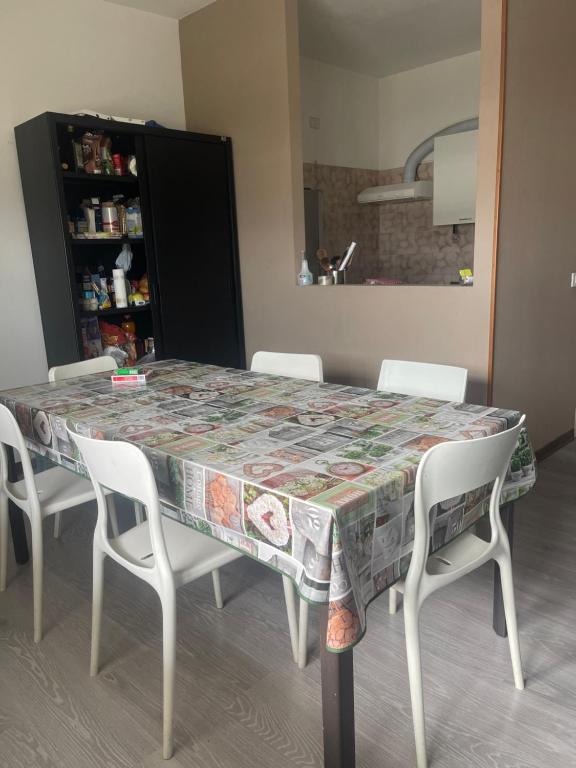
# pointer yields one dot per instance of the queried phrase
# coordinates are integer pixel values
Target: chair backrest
(295, 366)
(83, 368)
(122, 467)
(451, 469)
(442, 382)
(11, 436)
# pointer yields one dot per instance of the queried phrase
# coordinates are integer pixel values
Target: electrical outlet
(314, 122)
(573, 280)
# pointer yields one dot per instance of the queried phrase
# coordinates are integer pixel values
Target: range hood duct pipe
(422, 150)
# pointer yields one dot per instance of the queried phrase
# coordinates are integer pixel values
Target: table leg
(16, 516)
(499, 619)
(337, 702)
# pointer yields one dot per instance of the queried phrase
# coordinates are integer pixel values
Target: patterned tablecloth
(314, 480)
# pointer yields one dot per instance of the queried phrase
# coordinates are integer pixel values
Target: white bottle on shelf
(305, 277)
(120, 292)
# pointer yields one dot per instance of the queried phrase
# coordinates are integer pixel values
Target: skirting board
(555, 445)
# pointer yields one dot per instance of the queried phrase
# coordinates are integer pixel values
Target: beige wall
(62, 56)
(535, 345)
(374, 123)
(241, 77)
(346, 103)
(416, 103)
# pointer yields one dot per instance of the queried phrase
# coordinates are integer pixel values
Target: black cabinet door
(189, 187)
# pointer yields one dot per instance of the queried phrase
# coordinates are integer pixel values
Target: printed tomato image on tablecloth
(344, 626)
(222, 500)
(266, 517)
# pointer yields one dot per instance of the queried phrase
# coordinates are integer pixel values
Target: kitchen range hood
(410, 189)
(398, 193)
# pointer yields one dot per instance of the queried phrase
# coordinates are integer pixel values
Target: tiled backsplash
(397, 240)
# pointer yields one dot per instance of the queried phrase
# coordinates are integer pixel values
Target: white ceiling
(381, 37)
(376, 37)
(175, 9)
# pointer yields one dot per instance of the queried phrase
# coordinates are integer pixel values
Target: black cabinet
(188, 248)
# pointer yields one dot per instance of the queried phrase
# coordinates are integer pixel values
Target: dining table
(314, 480)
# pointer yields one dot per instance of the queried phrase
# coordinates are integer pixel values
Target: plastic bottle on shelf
(120, 293)
(305, 277)
(134, 219)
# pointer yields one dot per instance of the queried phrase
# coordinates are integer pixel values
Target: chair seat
(58, 489)
(458, 553)
(465, 549)
(191, 554)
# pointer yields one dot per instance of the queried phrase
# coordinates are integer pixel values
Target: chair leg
(411, 623)
(138, 513)
(57, 524)
(217, 588)
(3, 540)
(111, 506)
(289, 596)
(37, 575)
(507, 582)
(392, 601)
(303, 634)
(169, 656)
(97, 599)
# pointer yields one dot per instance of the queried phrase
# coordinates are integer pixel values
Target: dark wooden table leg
(499, 619)
(16, 517)
(337, 703)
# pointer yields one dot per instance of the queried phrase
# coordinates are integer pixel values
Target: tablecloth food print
(314, 480)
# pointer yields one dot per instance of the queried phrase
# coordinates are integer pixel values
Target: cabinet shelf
(185, 186)
(105, 240)
(114, 311)
(99, 178)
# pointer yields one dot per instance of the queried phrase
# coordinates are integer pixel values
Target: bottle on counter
(305, 277)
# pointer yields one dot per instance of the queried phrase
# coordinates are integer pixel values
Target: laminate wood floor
(242, 703)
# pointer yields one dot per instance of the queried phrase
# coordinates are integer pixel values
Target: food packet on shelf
(91, 340)
(114, 336)
(118, 354)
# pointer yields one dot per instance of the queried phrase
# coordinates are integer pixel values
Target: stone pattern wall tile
(344, 219)
(396, 240)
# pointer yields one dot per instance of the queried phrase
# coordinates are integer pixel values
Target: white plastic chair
(442, 382)
(38, 496)
(295, 366)
(82, 368)
(72, 371)
(160, 551)
(287, 364)
(449, 470)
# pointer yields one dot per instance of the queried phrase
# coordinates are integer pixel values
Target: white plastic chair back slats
(82, 368)
(451, 469)
(123, 468)
(295, 366)
(38, 496)
(442, 382)
(11, 436)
